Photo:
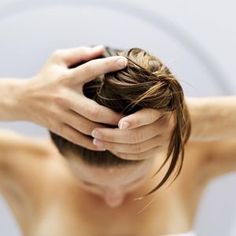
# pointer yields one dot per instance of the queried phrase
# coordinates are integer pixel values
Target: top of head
(144, 83)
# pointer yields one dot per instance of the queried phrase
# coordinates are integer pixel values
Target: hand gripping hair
(144, 83)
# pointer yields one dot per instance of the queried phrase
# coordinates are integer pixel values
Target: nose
(114, 198)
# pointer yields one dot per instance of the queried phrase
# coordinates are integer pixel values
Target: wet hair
(145, 83)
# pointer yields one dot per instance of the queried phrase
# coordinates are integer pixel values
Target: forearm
(11, 107)
(213, 118)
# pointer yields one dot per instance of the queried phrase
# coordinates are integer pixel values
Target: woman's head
(144, 83)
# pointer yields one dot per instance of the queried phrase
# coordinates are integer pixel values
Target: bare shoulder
(11, 141)
(26, 163)
(24, 172)
(19, 152)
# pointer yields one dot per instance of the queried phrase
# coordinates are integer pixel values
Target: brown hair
(144, 83)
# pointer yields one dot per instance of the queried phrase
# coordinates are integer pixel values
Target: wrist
(12, 107)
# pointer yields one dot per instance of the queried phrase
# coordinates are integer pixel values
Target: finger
(91, 110)
(77, 138)
(72, 56)
(128, 136)
(90, 70)
(80, 123)
(139, 156)
(140, 118)
(130, 148)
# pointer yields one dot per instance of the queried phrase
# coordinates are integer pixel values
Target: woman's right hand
(54, 97)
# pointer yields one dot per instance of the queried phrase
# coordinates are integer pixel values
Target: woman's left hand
(140, 135)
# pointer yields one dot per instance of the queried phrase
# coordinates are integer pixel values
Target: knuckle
(84, 50)
(94, 113)
(57, 54)
(62, 75)
(103, 135)
(62, 129)
(87, 129)
(88, 69)
(52, 115)
(135, 121)
(74, 138)
(60, 100)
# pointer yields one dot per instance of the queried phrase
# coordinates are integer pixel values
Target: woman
(86, 192)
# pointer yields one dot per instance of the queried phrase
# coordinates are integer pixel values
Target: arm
(54, 97)
(213, 118)
(10, 93)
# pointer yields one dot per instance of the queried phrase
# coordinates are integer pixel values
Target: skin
(57, 203)
(47, 196)
(59, 87)
(112, 184)
(70, 114)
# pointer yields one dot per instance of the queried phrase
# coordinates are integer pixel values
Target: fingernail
(96, 134)
(122, 62)
(101, 149)
(99, 144)
(123, 125)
